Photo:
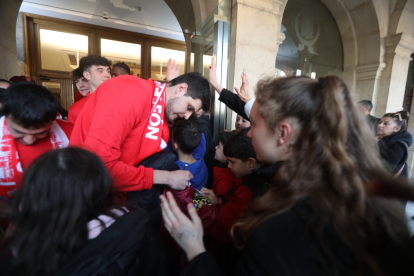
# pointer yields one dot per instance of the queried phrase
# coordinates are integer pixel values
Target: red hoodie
(112, 125)
(76, 108)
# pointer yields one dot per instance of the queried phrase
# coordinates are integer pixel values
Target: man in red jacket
(28, 128)
(125, 121)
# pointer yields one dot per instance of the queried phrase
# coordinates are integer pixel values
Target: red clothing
(78, 96)
(76, 108)
(112, 124)
(223, 180)
(27, 154)
(238, 201)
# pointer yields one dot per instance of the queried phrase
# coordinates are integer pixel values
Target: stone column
(255, 40)
(398, 49)
(367, 79)
(9, 9)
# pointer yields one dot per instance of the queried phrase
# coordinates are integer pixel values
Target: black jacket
(233, 102)
(394, 151)
(289, 244)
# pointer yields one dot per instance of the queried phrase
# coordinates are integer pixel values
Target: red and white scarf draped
(155, 136)
(11, 170)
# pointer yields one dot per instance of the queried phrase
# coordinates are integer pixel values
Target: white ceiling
(155, 17)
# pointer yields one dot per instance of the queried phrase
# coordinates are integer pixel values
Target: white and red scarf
(11, 170)
(156, 133)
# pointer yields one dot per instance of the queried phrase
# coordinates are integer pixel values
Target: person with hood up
(394, 141)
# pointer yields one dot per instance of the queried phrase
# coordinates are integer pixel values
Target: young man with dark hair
(28, 128)
(186, 138)
(125, 121)
(235, 202)
(365, 107)
(120, 69)
(96, 70)
(82, 85)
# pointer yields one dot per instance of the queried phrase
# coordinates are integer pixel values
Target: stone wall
(9, 10)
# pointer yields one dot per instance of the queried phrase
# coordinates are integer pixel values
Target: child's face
(241, 123)
(239, 167)
(219, 153)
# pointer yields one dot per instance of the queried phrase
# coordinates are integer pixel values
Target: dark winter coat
(394, 151)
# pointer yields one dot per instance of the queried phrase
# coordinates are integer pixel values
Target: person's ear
(284, 131)
(251, 162)
(397, 128)
(175, 146)
(181, 89)
(87, 76)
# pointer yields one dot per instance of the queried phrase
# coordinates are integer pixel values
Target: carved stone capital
(369, 71)
(401, 45)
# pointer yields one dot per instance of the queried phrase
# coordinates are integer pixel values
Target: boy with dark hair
(120, 69)
(234, 204)
(223, 176)
(82, 85)
(186, 137)
(28, 128)
(96, 70)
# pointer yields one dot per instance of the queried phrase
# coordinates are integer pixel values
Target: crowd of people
(133, 181)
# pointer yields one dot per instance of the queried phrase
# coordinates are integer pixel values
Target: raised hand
(212, 76)
(244, 91)
(173, 70)
(188, 233)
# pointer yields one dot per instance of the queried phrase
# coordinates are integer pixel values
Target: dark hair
(30, 105)
(61, 192)
(240, 146)
(325, 165)
(63, 112)
(224, 136)
(198, 87)
(86, 63)
(366, 103)
(401, 118)
(186, 134)
(77, 74)
(9, 82)
(123, 66)
(2, 93)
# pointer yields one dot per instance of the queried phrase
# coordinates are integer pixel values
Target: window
(62, 51)
(123, 52)
(159, 59)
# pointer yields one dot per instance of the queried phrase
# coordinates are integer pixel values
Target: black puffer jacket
(394, 151)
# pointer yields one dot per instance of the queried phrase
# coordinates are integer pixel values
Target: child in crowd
(186, 138)
(189, 144)
(223, 176)
(241, 123)
(242, 160)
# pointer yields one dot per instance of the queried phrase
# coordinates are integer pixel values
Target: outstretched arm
(212, 76)
(244, 91)
(188, 233)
